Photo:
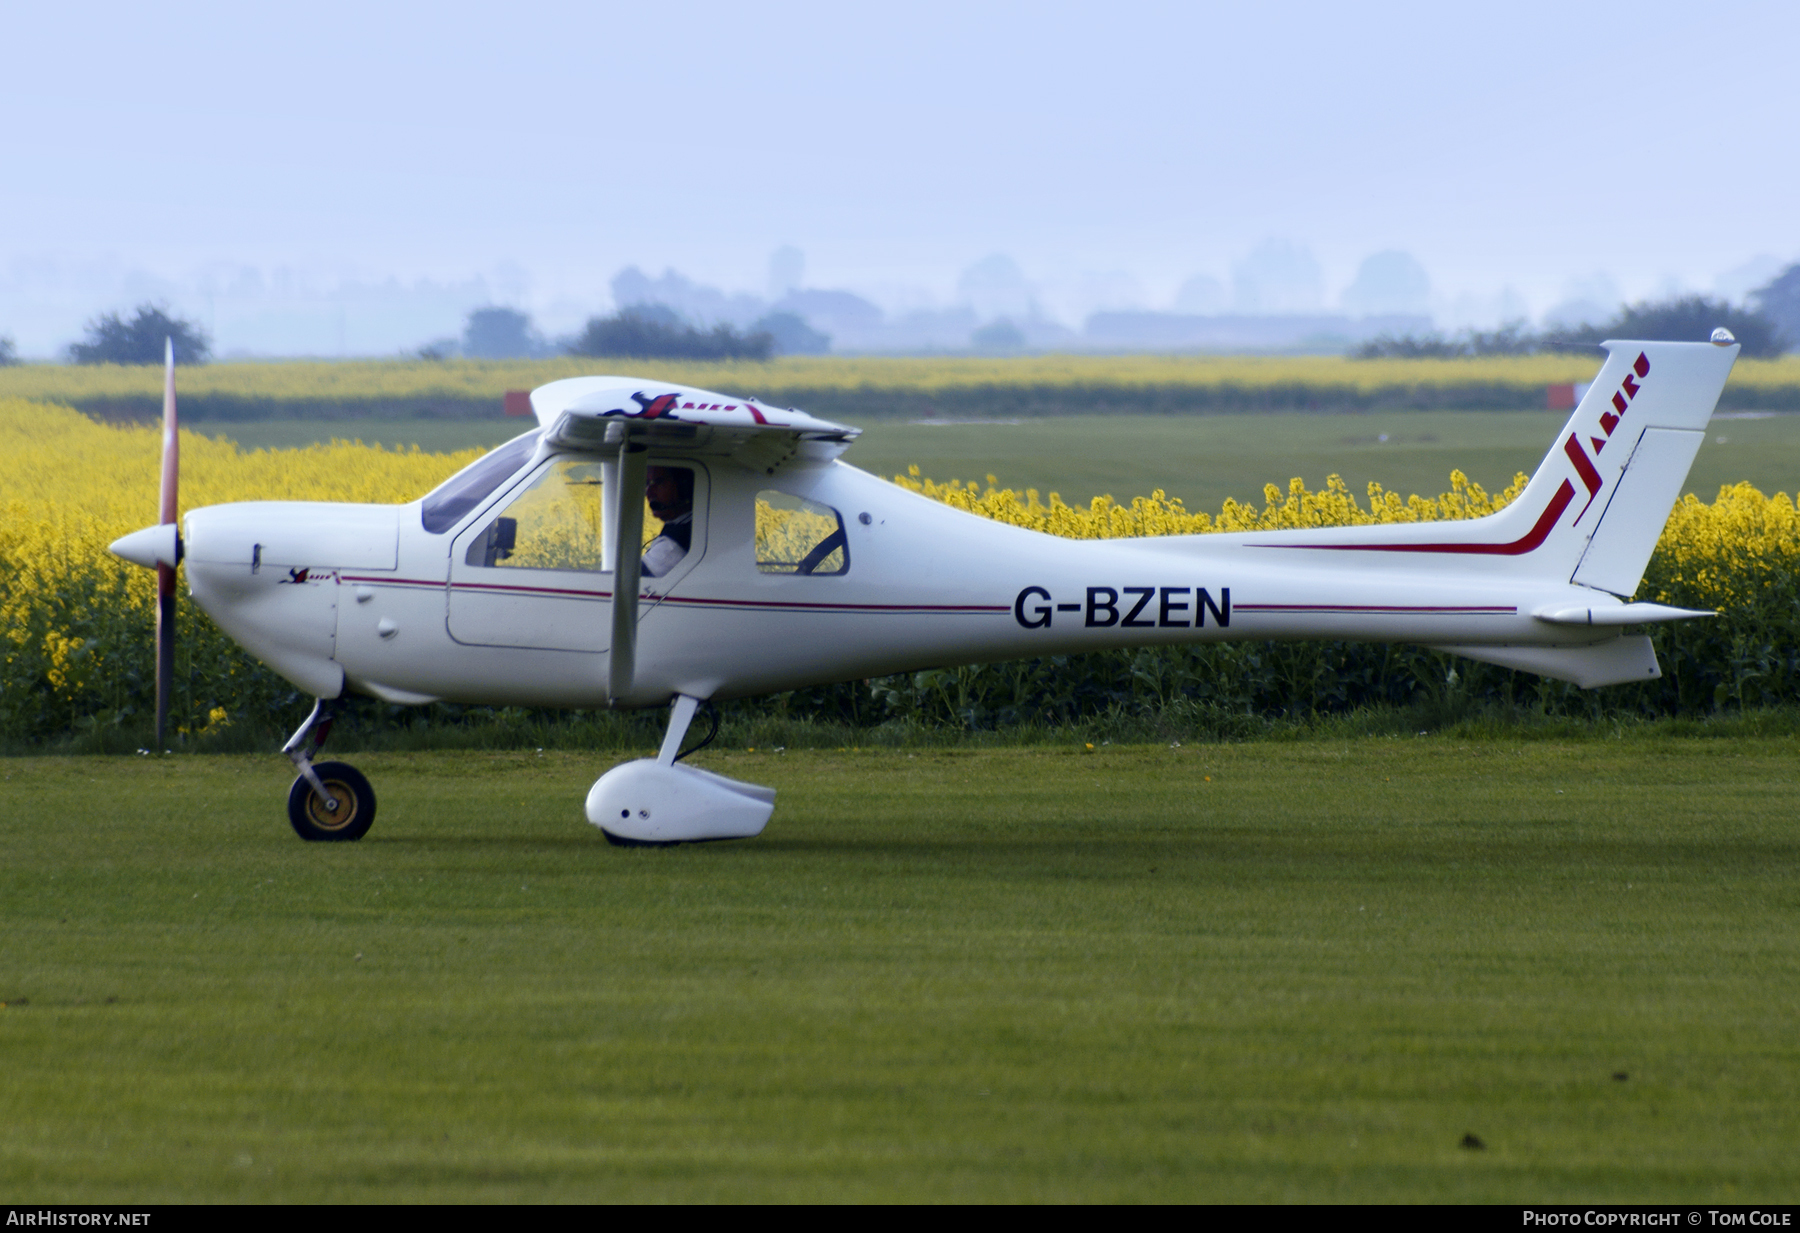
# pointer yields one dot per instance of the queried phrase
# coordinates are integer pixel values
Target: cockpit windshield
(472, 485)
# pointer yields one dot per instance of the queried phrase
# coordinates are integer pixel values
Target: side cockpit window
(557, 521)
(553, 524)
(797, 536)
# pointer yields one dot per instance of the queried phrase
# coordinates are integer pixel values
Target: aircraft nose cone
(153, 546)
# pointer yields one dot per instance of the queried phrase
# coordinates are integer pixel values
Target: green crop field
(434, 436)
(1382, 969)
(1201, 459)
(905, 386)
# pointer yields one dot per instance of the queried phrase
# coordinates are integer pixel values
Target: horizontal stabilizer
(1617, 614)
(1616, 661)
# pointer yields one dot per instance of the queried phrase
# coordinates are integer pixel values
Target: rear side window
(475, 483)
(797, 536)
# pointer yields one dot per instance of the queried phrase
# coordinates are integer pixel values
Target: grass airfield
(959, 974)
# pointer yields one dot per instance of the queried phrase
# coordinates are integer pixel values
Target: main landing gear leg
(330, 801)
(657, 802)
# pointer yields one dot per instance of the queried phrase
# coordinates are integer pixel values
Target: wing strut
(625, 530)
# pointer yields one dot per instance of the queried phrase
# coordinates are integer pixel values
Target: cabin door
(531, 571)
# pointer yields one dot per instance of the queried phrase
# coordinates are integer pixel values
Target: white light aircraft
(525, 580)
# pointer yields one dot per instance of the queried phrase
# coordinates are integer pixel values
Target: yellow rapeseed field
(56, 461)
(74, 620)
(1713, 555)
(1742, 550)
(72, 616)
(365, 380)
(1159, 514)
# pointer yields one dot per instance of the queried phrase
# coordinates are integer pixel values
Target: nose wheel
(330, 802)
(344, 813)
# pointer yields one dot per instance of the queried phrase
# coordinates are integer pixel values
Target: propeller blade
(171, 444)
(165, 573)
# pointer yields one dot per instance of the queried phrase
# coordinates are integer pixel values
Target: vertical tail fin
(1594, 509)
(1630, 444)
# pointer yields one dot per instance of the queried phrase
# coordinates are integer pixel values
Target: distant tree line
(1767, 326)
(1683, 319)
(643, 331)
(1780, 302)
(654, 331)
(651, 331)
(639, 331)
(1513, 338)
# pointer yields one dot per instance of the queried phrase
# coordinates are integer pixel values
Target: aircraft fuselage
(368, 591)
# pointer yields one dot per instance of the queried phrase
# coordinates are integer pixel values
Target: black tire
(354, 815)
(620, 841)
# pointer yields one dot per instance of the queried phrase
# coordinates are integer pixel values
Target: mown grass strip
(1270, 971)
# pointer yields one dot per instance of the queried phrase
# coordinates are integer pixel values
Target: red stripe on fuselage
(1383, 609)
(491, 588)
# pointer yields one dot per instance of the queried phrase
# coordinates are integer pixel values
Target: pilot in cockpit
(670, 491)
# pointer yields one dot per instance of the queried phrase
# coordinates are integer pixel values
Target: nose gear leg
(329, 801)
(317, 726)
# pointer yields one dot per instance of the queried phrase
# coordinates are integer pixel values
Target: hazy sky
(1113, 150)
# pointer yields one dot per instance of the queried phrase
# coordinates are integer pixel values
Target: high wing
(622, 418)
(600, 414)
